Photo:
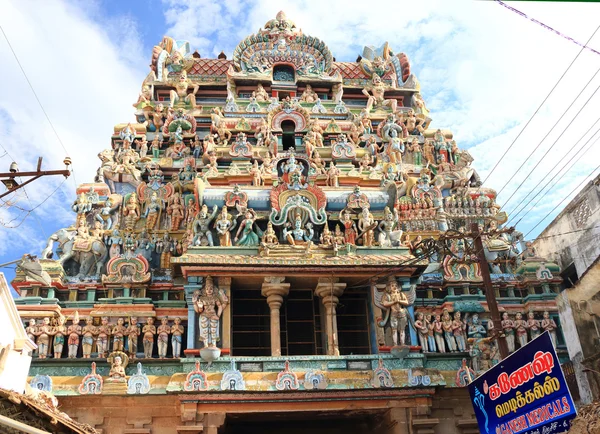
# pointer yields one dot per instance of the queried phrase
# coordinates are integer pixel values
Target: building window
(251, 324)
(284, 73)
(353, 323)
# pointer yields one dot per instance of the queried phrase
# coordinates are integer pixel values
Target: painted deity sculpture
(397, 303)
(366, 226)
(298, 234)
(438, 333)
(89, 331)
(375, 94)
(548, 325)
(59, 331)
(349, 227)
(201, 226)
(118, 333)
(224, 225)
(163, 331)
(176, 337)
(521, 329)
(149, 330)
(104, 332)
(431, 345)
(209, 305)
(475, 330)
(508, 326)
(74, 332)
(422, 331)
(458, 329)
(43, 333)
(447, 325)
(246, 229)
(133, 332)
(533, 325)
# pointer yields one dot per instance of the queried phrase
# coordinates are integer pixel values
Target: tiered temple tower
(250, 253)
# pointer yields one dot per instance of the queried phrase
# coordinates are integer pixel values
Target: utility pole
(490, 294)
(8, 178)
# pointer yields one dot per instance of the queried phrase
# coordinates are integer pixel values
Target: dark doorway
(289, 132)
(251, 332)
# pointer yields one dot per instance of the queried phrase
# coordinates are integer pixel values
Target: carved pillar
(194, 283)
(329, 289)
(225, 285)
(275, 289)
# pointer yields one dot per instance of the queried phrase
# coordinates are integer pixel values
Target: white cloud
(87, 73)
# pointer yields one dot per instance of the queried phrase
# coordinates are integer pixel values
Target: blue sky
(483, 71)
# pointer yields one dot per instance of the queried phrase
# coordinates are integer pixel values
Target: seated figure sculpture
(298, 235)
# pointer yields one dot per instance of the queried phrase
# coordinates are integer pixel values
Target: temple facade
(254, 255)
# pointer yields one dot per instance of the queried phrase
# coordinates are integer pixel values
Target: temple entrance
(288, 139)
(338, 422)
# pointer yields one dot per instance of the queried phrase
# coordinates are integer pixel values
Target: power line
(546, 136)
(556, 182)
(539, 107)
(564, 198)
(546, 26)
(37, 99)
(567, 161)
(566, 233)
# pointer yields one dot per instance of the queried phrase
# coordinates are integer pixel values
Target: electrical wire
(564, 198)
(556, 182)
(547, 134)
(37, 98)
(539, 107)
(514, 213)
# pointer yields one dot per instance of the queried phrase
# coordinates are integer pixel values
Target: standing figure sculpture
(548, 325)
(249, 237)
(533, 325)
(87, 340)
(209, 304)
(367, 225)
(176, 337)
(201, 227)
(149, 331)
(59, 332)
(422, 331)
(74, 332)
(349, 227)
(447, 325)
(224, 225)
(430, 333)
(458, 329)
(521, 329)
(132, 332)
(103, 336)
(438, 332)
(118, 333)
(508, 326)
(43, 334)
(163, 332)
(394, 304)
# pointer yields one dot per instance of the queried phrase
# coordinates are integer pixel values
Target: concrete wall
(574, 236)
(15, 347)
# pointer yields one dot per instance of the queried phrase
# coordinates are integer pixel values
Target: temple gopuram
(250, 256)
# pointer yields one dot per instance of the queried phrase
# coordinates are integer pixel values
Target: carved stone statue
(394, 303)
(246, 229)
(309, 95)
(59, 332)
(458, 329)
(521, 329)
(366, 226)
(43, 333)
(422, 331)
(447, 325)
(533, 325)
(209, 304)
(389, 235)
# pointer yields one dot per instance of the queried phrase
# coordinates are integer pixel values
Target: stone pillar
(225, 285)
(329, 289)
(275, 289)
(194, 283)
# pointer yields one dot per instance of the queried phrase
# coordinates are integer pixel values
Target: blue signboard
(526, 393)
